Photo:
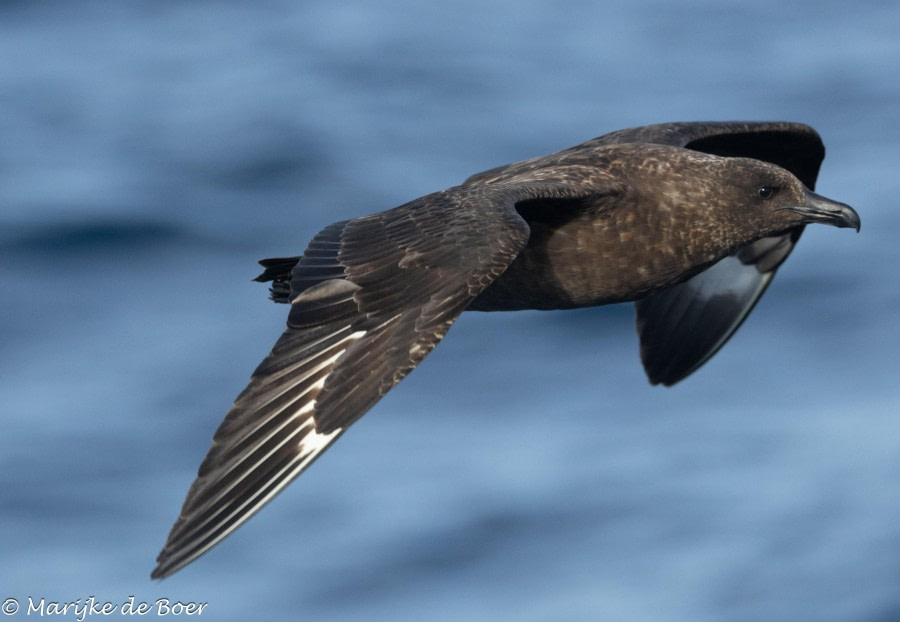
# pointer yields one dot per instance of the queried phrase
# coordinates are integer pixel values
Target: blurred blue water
(152, 151)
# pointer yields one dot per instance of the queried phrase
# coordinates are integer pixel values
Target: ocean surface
(152, 151)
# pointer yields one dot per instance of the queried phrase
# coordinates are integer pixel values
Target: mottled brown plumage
(691, 220)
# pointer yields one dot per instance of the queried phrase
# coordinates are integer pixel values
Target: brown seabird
(690, 220)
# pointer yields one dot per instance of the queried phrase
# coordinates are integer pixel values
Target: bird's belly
(525, 286)
(583, 267)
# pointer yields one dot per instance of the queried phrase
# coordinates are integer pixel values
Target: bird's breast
(600, 259)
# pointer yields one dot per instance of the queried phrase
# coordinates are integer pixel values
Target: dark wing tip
(168, 562)
(162, 569)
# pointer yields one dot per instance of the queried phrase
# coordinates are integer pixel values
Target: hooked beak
(819, 209)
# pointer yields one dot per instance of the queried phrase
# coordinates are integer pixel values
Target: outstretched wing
(369, 299)
(794, 146)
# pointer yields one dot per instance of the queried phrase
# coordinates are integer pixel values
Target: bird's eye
(766, 192)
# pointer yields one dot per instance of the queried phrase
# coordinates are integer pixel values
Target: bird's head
(774, 199)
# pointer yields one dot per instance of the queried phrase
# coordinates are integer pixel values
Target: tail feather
(278, 271)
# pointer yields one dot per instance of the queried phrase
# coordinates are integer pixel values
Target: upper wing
(369, 299)
(682, 327)
(794, 146)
